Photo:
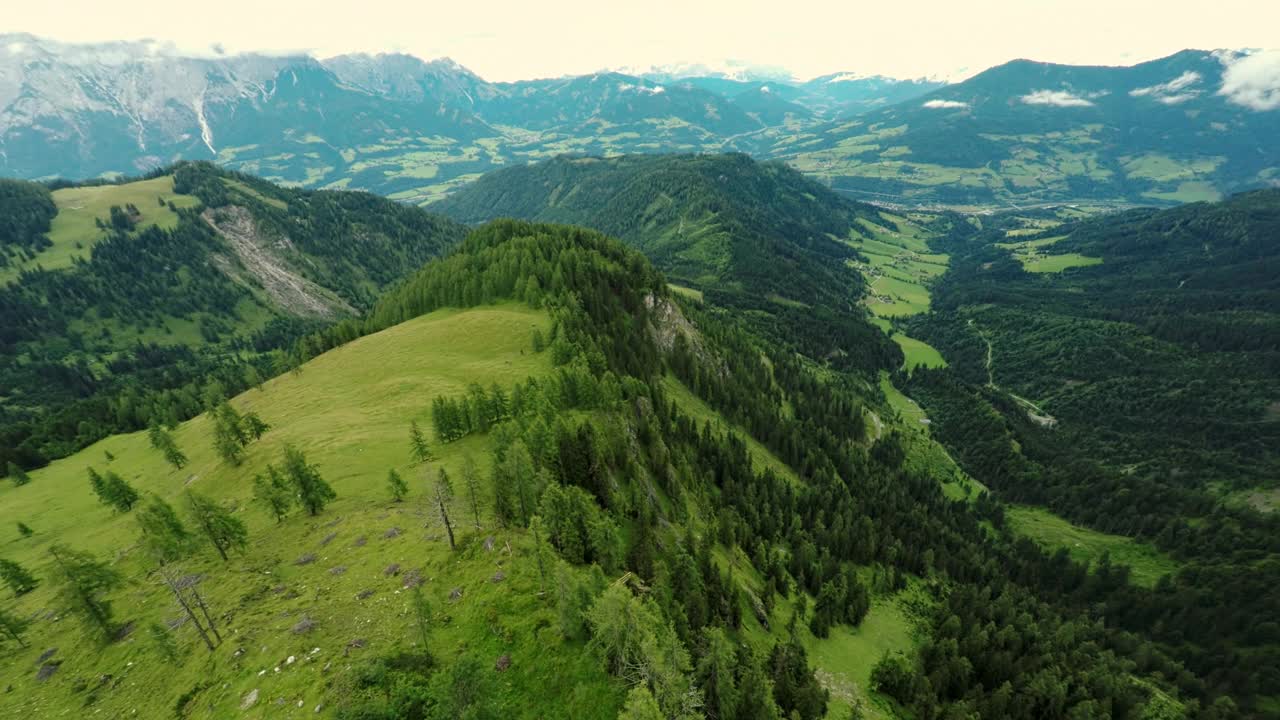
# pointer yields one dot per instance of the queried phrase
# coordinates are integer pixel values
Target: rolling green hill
(756, 237)
(119, 297)
(645, 555)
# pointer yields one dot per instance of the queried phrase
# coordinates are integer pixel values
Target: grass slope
(1087, 545)
(74, 229)
(349, 410)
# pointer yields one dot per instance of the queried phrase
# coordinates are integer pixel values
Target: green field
(686, 291)
(349, 411)
(844, 659)
(1058, 263)
(74, 229)
(1033, 258)
(1086, 545)
(898, 277)
(917, 353)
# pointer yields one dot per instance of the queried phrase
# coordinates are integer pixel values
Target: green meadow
(1085, 545)
(74, 230)
(1032, 255)
(349, 410)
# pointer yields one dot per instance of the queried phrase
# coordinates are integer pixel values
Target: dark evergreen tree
(83, 582)
(18, 578)
(312, 490)
(396, 485)
(163, 533)
(274, 491)
(224, 530)
(17, 474)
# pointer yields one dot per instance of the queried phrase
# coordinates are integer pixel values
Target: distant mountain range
(414, 129)
(1191, 126)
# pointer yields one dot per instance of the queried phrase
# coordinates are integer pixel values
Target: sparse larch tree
(471, 479)
(113, 490)
(224, 530)
(396, 484)
(163, 533)
(540, 551)
(14, 626)
(313, 491)
(164, 642)
(82, 582)
(163, 441)
(443, 496)
(19, 579)
(274, 491)
(418, 448)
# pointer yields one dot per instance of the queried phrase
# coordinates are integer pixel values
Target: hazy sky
(531, 38)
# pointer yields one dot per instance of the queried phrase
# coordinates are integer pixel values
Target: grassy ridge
(74, 229)
(349, 410)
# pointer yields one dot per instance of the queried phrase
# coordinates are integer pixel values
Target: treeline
(26, 209)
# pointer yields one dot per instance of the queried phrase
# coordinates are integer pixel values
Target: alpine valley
(364, 388)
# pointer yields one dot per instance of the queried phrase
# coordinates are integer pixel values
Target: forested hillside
(119, 298)
(1122, 371)
(754, 237)
(595, 543)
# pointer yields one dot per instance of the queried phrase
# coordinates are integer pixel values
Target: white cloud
(1253, 81)
(643, 89)
(1174, 92)
(945, 104)
(1055, 98)
(1185, 80)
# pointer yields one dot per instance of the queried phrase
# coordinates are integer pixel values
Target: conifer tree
(120, 494)
(224, 530)
(163, 441)
(274, 491)
(19, 579)
(99, 486)
(17, 474)
(82, 583)
(164, 642)
(443, 496)
(540, 551)
(396, 485)
(24, 530)
(14, 626)
(418, 449)
(313, 492)
(641, 705)
(162, 531)
(422, 615)
(254, 426)
(471, 479)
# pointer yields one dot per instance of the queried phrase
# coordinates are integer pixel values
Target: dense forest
(126, 335)
(660, 518)
(1151, 379)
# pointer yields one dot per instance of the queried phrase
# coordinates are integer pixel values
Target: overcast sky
(531, 38)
